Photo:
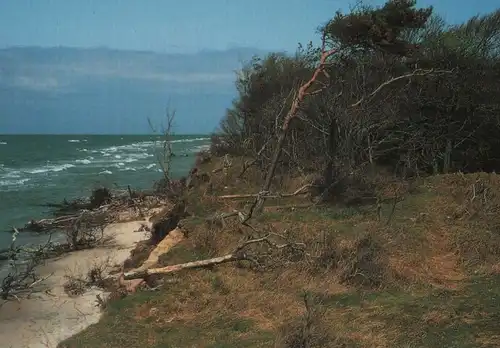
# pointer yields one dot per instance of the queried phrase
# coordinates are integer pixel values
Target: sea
(40, 169)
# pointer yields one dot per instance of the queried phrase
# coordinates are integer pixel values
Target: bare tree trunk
(292, 114)
(447, 157)
(143, 273)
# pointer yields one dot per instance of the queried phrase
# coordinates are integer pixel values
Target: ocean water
(37, 169)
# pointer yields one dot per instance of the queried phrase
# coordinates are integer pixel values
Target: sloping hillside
(420, 268)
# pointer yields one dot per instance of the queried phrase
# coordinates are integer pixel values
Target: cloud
(65, 80)
(142, 73)
(67, 70)
(37, 84)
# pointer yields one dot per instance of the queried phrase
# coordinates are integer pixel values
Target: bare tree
(164, 157)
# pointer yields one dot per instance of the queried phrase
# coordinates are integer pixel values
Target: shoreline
(50, 315)
(106, 160)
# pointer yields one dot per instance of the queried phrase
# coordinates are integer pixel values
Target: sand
(46, 319)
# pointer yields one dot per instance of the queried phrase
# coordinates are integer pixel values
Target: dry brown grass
(363, 269)
(470, 207)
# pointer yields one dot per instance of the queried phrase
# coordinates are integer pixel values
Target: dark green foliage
(436, 122)
(99, 197)
(380, 28)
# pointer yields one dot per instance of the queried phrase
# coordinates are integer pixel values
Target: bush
(100, 197)
(358, 262)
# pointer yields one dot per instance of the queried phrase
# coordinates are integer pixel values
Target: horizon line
(102, 134)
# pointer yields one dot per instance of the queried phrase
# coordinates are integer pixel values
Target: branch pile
(102, 207)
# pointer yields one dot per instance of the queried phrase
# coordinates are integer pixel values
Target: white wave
(13, 182)
(134, 169)
(189, 140)
(11, 174)
(140, 155)
(73, 141)
(137, 146)
(118, 156)
(50, 168)
(200, 148)
(106, 172)
(146, 144)
(3, 143)
(125, 158)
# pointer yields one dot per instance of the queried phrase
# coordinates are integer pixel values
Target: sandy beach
(49, 317)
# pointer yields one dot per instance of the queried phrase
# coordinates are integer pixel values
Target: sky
(102, 91)
(184, 26)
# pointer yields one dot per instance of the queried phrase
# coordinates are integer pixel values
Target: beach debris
(102, 207)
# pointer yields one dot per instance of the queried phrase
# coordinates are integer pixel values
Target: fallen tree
(239, 254)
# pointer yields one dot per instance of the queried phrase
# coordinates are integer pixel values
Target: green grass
(424, 318)
(206, 305)
(436, 319)
(314, 214)
(121, 326)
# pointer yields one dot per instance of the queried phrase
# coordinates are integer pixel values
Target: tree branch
(268, 195)
(418, 72)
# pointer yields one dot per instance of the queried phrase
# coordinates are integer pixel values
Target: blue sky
(101, 91)
(183, 26)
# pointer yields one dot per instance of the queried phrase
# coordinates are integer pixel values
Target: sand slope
(48, 318)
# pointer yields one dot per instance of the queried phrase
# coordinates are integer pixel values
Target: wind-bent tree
(422, 123)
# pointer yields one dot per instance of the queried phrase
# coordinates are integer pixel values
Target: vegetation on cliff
(349, 200)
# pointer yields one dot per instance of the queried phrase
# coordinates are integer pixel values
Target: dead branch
(278, 195)
(417, 72)
(237, 255)
(176, 268)
(290, 207)
(104, 214)
(219, 219)
(248, 164)
(165, 158)
(22, 276)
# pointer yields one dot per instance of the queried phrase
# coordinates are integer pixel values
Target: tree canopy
(442, 115)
